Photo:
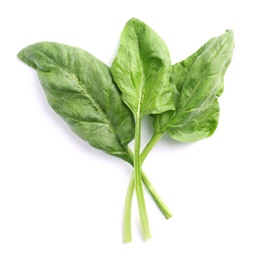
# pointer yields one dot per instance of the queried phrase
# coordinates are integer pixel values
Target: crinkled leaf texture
(142, 70)
(198, 81)
(80, 89)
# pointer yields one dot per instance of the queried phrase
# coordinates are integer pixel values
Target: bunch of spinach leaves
(105, 106)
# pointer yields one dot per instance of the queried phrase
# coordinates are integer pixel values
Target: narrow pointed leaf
(80, 89)
(198, 81)
(142, 70)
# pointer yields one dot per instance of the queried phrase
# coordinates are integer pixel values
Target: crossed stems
(127, 233)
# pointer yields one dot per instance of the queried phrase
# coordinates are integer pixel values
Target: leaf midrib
(140, 88)
(85, 94)
(206, 67)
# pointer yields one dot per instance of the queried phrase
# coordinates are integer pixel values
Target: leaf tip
(230, 33)
(20, 55)
(133, 19)
(24, 56)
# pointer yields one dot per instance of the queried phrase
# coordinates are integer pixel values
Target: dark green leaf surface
(198, 81)
(80, 89)
(142, 70)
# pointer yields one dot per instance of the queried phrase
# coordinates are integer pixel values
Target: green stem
(155, 138)
(160, 203)
(162, 206)
(127, 232)
(138, 182)
(158, 200)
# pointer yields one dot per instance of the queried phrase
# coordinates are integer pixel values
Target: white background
(62, 199)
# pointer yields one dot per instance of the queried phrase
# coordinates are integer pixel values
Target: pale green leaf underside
(80, 89)
(142, 70)
(198, 81)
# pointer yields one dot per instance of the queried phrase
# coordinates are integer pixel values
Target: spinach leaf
(80, 89)
(181, 98)
(198, 81)
(142, 69)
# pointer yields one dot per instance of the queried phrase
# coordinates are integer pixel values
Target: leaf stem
(138, 182)
(127, 232)
(162, 206)
(155, 138)
(158, 200)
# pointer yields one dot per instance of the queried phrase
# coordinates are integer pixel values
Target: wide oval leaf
(142, 70)
(80, 89)
(198, 81)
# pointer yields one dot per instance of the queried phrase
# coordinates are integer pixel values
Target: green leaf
(198, 81)
(142, 70)
(80, 89)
